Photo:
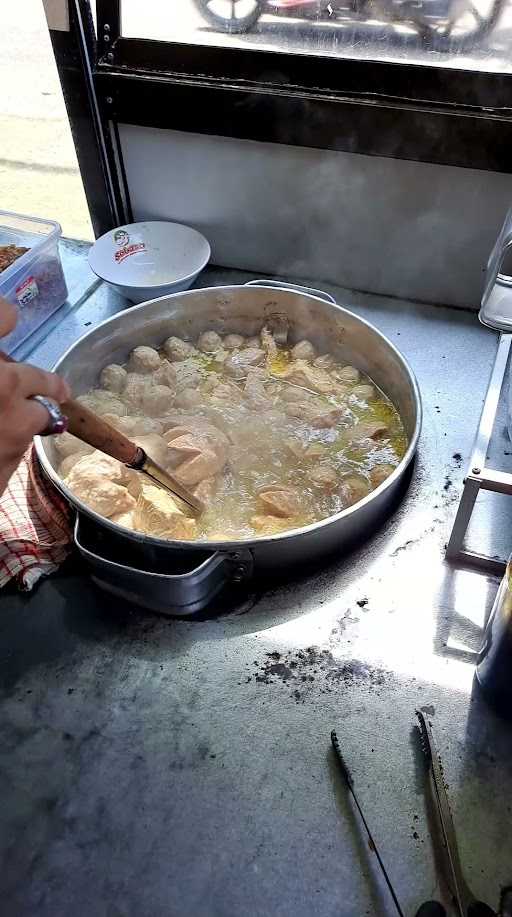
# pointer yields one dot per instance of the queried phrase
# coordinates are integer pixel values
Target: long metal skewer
(350, 786)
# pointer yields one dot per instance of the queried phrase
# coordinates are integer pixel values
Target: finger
(8, 316)
(32, 420)
(34, 381)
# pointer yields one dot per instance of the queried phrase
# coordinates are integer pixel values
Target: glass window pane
(468, 34)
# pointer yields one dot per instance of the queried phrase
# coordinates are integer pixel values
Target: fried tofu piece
(311, 377)
(304, 350)
(280, 501)
(157, 514)
(380, 473)
(100, 482)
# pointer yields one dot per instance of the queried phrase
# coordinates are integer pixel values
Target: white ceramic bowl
(146, 260)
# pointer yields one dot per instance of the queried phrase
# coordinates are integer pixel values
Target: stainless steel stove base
(479, 476)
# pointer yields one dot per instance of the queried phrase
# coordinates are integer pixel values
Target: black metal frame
(417, 112)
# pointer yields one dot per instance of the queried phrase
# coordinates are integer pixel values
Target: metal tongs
(464, 899)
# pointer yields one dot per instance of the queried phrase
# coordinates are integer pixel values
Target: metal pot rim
(229, 546)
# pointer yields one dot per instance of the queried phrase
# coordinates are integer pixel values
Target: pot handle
(295, 287)
(174, 594)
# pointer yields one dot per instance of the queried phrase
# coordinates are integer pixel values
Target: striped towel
(35, 526)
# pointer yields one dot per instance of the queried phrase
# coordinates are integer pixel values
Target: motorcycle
(442, 25)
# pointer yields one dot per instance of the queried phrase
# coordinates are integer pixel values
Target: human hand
(21, 418)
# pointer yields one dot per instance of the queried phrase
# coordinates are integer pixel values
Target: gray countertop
(161, 767)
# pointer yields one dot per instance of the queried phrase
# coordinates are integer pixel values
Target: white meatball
(102, 402)
(178, 350)
(187, 375)
(188, 398)
(88, 402)
(144, 360)
(165, 375)
(209, 342)
(233, 341)
(157, 400)
(135, 425)
(113, 406)
(364, 392)
(134, 391)
(141, 426)
(304, 350)
(66, 444)
(324, 362)
(113, 378)
(347, 374)
(115, 421)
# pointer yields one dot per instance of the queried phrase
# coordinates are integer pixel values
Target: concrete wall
(406, 229)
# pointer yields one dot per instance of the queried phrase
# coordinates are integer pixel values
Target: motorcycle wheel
(232, 16)
(468, 28)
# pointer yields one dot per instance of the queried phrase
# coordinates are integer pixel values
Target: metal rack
(480, 476)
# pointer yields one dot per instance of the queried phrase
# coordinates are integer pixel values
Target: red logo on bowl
(129, 250)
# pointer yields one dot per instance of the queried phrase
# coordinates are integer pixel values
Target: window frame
(418, 112)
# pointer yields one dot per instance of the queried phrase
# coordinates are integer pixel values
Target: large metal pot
(181, 577)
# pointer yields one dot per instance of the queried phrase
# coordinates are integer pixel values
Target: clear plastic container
(34, 283)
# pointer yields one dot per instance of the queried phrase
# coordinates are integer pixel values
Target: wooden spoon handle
(95, 431)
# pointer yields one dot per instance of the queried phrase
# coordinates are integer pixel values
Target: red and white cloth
(35, 526)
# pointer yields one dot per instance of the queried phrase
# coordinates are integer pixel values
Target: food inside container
(271, 437)
(31, 275)
(9, 254)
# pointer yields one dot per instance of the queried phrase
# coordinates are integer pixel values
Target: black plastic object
(506, 902)
(479, 909)
(431, 909)
(494, 668)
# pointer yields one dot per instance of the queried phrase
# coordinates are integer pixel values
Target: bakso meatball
(144, 360)
(187, 375)
(134, 424)
(141, 426)
(188, 398)
(233, 341)
(253, 342)
(304, 350)
(115, 421)
(112, 406)
(209, 342)
(113, 378)
(364, 392)
(238, 364)
(324, 362)
(134, 391)
(157, 400)
(347, 374)
(67, 444)
(165, 375)
(102, 402)
(178, 350)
